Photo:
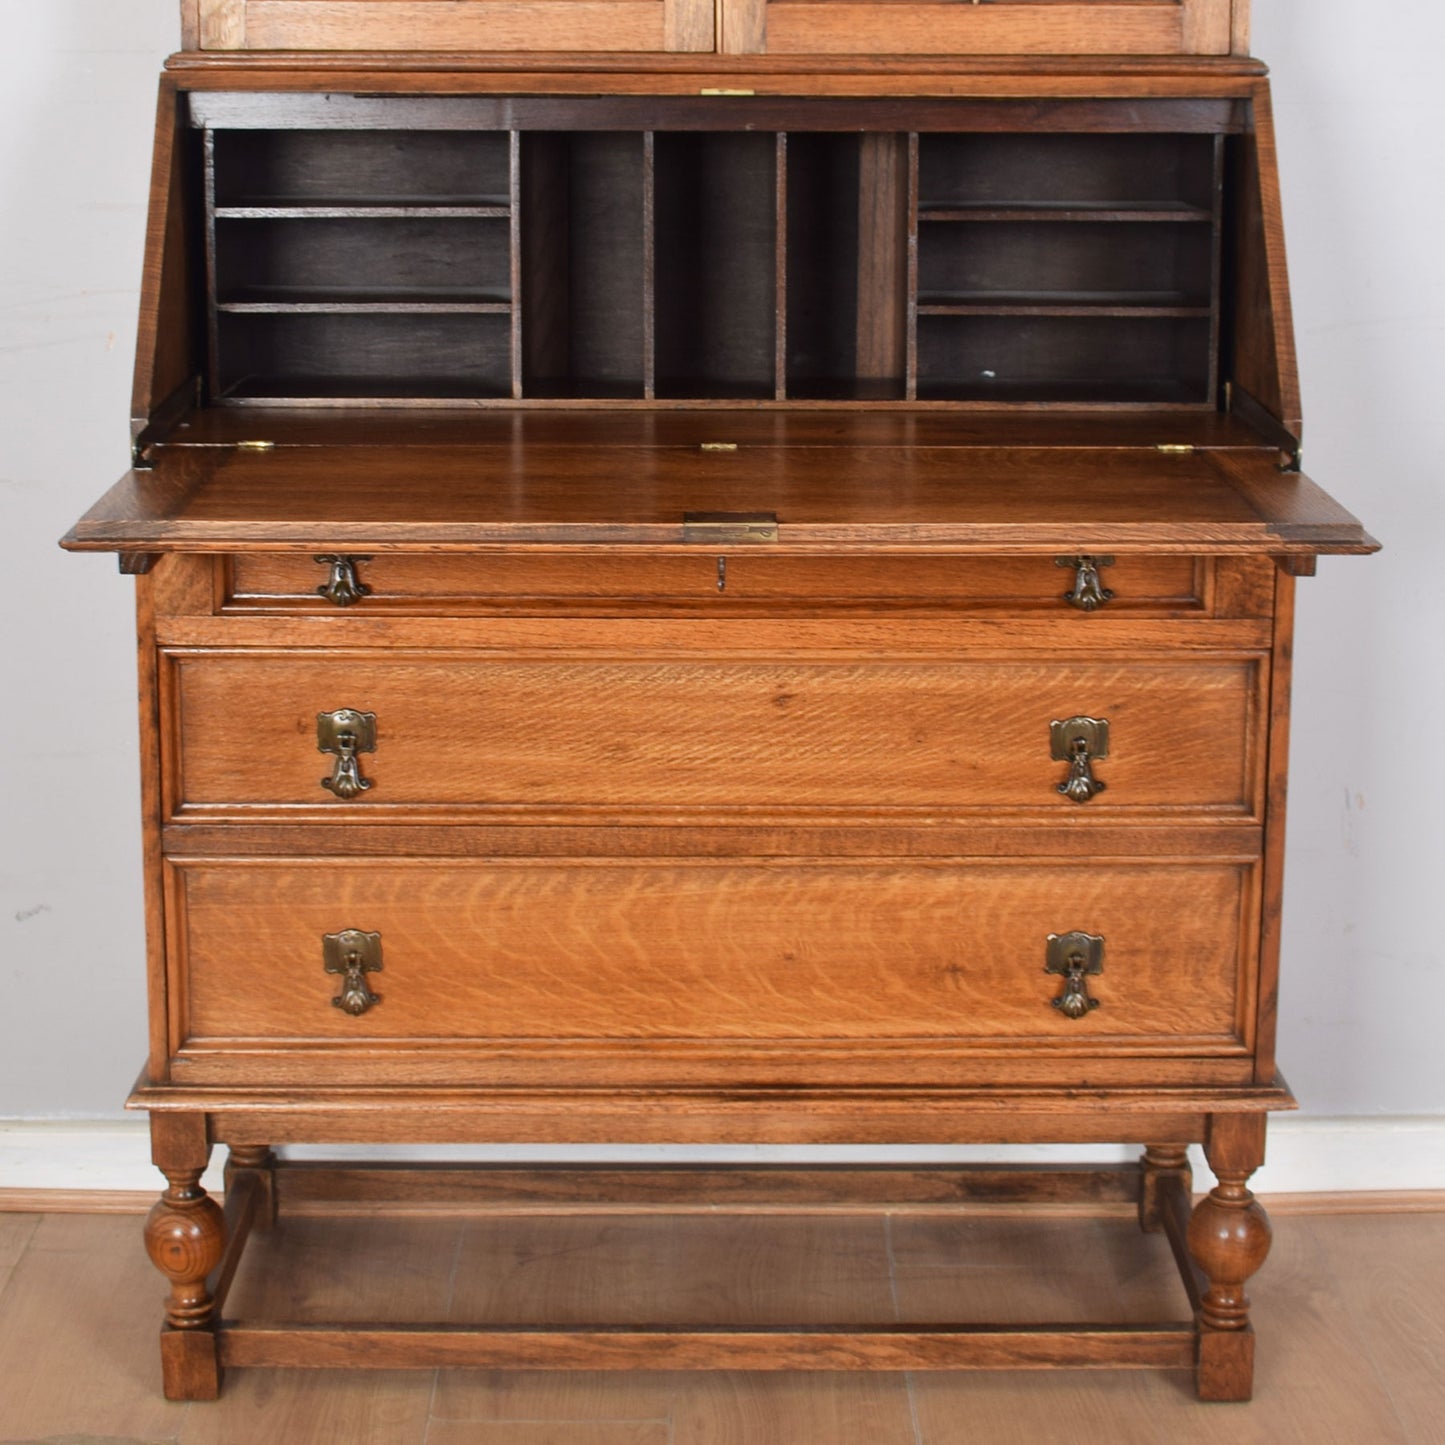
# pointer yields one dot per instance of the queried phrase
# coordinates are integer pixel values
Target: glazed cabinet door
(449, 25)
(984, 27)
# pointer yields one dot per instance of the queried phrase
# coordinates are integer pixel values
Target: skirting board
(63, 1158)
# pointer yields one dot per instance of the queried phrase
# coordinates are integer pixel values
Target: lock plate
(1088, 593)
(343, 587)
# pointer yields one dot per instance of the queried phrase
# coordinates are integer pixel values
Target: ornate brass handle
(1088, 593)
(346, 733)
(343, 587)
(1079, 742)
(1075, 956)
(353, 954)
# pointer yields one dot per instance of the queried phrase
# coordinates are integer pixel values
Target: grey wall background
(1361, 119)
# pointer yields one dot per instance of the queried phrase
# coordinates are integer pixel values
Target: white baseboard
(1306, 1156)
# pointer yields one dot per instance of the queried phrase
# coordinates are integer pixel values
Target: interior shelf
(383, 168)
(338, 390)
(453, 208)
(1064, 211)
(285, 300)
(1061, 303)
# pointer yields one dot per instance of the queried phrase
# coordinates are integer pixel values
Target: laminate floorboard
(15, 1232)
(77, 1357)
(1392, 1278)
(1350, 1311)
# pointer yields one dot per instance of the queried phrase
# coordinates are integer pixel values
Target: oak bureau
(714, 575)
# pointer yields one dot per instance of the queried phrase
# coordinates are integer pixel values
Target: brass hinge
(1174, 449)
(716, 528)
(255, 446)
(722, 90)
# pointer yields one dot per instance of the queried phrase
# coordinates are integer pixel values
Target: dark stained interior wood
(1058, 255)
(715, 278)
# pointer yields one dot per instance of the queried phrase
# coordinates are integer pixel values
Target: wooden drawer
(731, 737)
(546, 958)
(529, 582)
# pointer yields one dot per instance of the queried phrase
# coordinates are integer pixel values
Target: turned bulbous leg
(1229, 1237)
(185, 1236)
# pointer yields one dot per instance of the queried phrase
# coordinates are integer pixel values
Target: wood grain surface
(999, 500)
(773, 950)
(728, 735)
(1162, 586)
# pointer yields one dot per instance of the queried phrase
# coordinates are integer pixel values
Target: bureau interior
(416, 252)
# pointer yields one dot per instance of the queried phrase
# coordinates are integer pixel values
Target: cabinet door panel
(993, 27)
(454, 25)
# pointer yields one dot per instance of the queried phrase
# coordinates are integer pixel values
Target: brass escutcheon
(1088, 593)
(343, 587)
(346, 733)
(353, 954)
(1075, 956)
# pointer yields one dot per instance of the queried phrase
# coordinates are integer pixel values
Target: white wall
(1361, 121)
(1361, 112)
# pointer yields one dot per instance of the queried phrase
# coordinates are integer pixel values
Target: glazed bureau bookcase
(714, 574)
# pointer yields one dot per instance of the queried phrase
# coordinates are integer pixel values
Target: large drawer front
(547, 953)
(729, 735)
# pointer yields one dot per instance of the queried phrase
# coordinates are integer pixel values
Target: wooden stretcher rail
(896, 1347)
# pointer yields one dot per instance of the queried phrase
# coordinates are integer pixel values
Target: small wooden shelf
(330, 390)
(1138, 211)
(1141, 304)
(371, 210)
(418, 301)
(1067, 391)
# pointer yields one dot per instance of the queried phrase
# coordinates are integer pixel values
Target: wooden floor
(1350, 1311)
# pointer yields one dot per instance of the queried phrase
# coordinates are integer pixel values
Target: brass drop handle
(343, 586)
(353, 954)
(1080, 742)
(1088, 593)
(344, 734)
(1075, 957)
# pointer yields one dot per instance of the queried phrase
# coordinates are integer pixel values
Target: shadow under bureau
(679, 618)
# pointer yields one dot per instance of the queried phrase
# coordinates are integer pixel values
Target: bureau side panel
(151, 714)
(1273, 874)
